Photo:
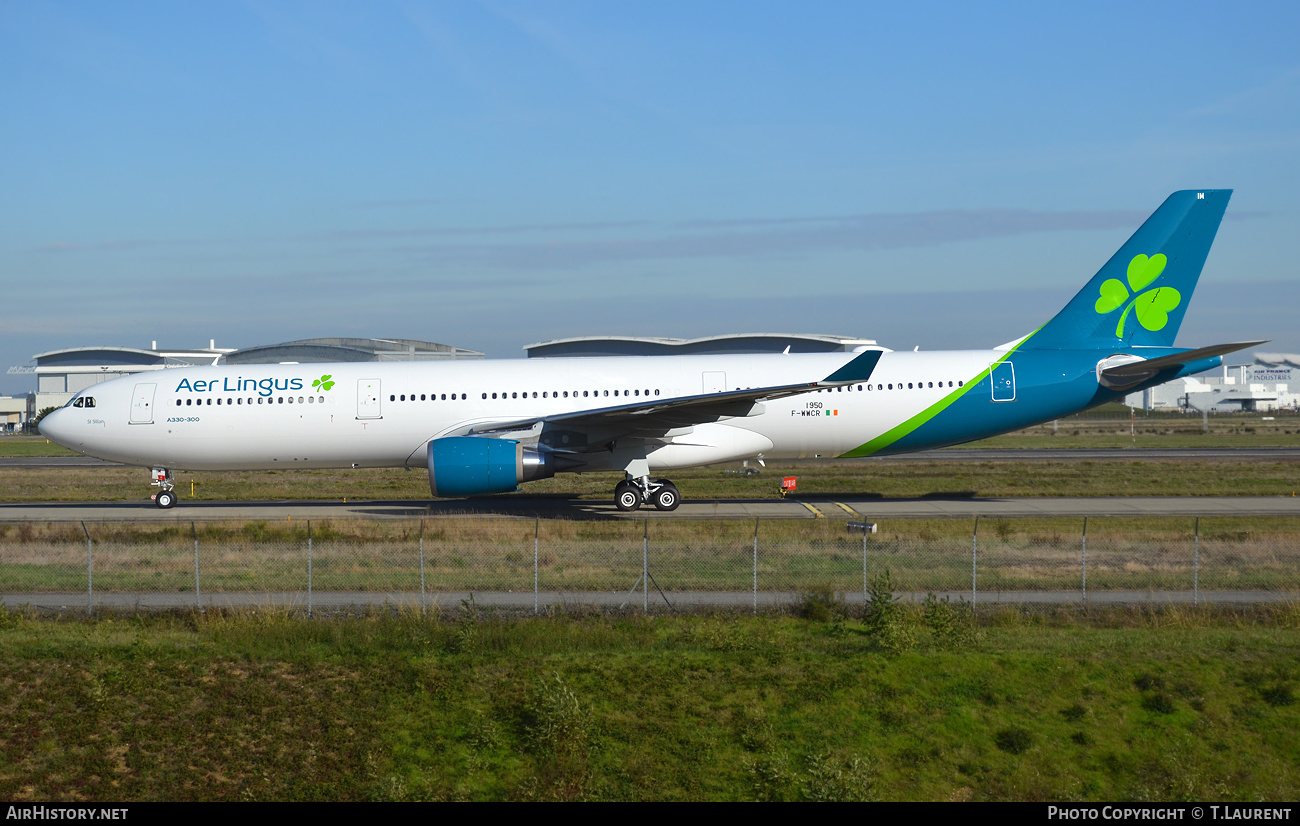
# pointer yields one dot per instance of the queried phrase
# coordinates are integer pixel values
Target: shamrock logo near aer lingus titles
(1151, 307)
(323, 383)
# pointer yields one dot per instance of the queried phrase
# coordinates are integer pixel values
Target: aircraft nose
(53, 426)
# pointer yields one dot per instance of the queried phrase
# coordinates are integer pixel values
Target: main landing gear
(162, 478)
(633, 493)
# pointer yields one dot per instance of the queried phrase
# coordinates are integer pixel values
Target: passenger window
(291, 400)
(606, 392)
(218, 402)
(178, 402)
(300, 400)
(281, 400)
(239, 401)
(566, 394)
(959, 384)
(514, 395)
(584, 394)
(932, 384)
(891, 387)
(392, 398)
(189, 402)
(656, 392)
(444, 396)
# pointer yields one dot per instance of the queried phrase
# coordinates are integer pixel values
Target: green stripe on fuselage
(892, 435)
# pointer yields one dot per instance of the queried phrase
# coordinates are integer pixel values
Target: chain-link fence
(649, 564)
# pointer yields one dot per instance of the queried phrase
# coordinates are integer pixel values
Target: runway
(1159, 454)
(558, 507)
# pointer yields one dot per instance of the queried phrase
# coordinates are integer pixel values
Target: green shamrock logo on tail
(1151, 307)
(323, 383)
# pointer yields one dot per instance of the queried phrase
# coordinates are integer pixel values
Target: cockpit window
(81, 401)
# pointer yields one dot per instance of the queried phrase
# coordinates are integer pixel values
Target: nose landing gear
(162, 478)
(631, 494)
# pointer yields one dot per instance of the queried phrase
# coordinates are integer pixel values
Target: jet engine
(474, 465)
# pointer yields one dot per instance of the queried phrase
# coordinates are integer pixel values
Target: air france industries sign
(1260, 374)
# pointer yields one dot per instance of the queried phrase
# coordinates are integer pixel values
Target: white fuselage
(384, 414)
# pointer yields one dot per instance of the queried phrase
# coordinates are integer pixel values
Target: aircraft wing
(652, 416)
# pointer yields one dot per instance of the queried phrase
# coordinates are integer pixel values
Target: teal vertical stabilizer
(1138, 299)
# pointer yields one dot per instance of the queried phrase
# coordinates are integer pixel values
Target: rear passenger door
(370, 399)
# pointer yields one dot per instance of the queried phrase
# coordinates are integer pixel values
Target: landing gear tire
(667, 498)
(165, 499)
(627, 496)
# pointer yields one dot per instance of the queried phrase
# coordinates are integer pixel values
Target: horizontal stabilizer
(1146, 367)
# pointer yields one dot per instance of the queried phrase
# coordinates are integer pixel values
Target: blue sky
(489, 174)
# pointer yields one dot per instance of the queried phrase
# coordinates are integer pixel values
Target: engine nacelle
(474, 465)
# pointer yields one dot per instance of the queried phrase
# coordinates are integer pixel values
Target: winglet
(859, 369)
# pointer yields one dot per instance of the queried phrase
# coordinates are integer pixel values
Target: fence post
(755, 592)
(422, 600)
(645, 567)
(1196, 563)
(309, 568)
(198, 597)
(864, 567)
(1083, 561)
(974, 554)
(90, 573)
(537, 530)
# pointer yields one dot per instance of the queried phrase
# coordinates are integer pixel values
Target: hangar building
(1272, 383)
(736, 344)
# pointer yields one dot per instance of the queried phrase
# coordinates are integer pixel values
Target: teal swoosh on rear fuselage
(1049, 384)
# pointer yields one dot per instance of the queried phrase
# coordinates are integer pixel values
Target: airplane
(488, 427)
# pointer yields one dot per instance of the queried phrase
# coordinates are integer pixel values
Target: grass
(851, 479)
(1119, 705)
(496, 554)
(16, 446)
